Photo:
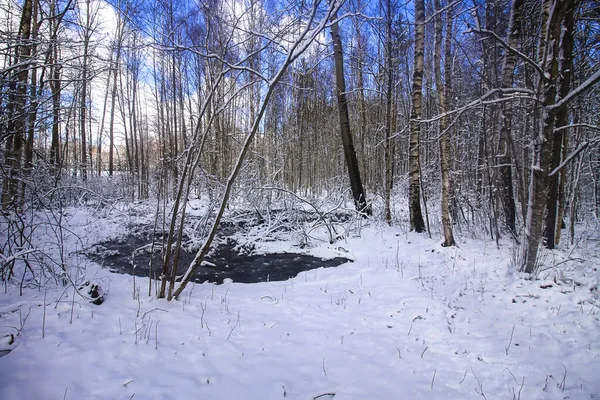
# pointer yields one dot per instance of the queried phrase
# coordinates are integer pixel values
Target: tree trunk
(443, 92)
(417, 223)
(113, 94)
(350, 155)
(100, 136)
(543, 142)
(388, 115)
(560, 214)
(361, 93)
(18, 120)
(505, 179)
(54, 83)
(55, 87)
(562, 119)
(75, 164)
(33, 102)
(84, 87)
(111, 123)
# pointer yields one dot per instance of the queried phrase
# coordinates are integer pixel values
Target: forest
(436, 159)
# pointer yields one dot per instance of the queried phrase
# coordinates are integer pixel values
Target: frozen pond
(225, 261)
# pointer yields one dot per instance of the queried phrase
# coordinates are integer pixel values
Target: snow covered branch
(482, 101)
(562, 128)
(589, 82)
(522, 55)
(574, 154)
(442, 10)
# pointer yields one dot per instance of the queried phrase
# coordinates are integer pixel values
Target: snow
(406, 319)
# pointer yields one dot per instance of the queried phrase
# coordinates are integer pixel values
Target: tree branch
(562, 128)
(493, 35)
(482, 100)
(592, 80)
(574, 154)
(441, 10)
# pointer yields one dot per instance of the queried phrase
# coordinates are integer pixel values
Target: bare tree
(553, 220)
(315, 23)
(414, 196)
(505, 178)
(88, 26)
(552, 11)
(114, 70)
(388, 155)
(443, 94)
(55, 22)
(18, 113)
(358, 192)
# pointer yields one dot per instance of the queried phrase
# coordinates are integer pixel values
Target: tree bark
(543, 142)
(358, 192)
(361, 93)
(505, 178)
(562, 119)
(18, 119)
(388, 156)
(33, 101)
(84, 88)
(55, 87)
(113, 95)
(443, 92)
(417, 223)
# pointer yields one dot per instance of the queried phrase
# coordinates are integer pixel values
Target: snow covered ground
(407, 319)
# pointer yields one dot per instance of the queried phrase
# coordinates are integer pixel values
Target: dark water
(225, 262)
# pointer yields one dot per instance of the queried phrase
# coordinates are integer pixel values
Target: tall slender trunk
(111, 123)
(562, 119)
(113, 95)
(123, 108)
(75, 164)
(483, 134)
(361, 92)
(505, 178)
(358, 192)
(84, 88)
(55, 87)
(417, 223)
(543, 141)
(560, 213)
(18, 101)
(54, 81)
(134, 124)
(33, 102)
(175, 116)
(388, 155)
(102, 120)
(443, 92)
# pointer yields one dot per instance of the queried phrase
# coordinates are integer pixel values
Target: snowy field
(407, 319)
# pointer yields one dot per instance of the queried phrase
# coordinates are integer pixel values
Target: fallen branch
(323, 395)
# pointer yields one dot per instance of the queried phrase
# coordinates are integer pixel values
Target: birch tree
(417, 223)
(541, 158)
(443, 94)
